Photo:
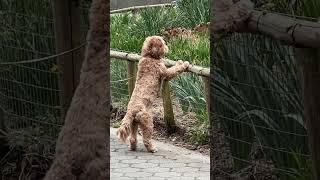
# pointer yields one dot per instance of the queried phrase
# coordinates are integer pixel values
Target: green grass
(258, 97)
(128, 33)
(196, 52)
(307, 8)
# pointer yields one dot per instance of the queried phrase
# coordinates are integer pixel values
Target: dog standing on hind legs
(151, 72)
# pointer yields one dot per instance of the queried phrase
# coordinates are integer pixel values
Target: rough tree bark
(82, 149)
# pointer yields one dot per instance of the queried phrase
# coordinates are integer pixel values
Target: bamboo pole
(139, 7)
(167, 108)
(201, 71)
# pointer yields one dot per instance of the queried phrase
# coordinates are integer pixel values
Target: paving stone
(156, 178)
(185, 169)
(138, 174)
(203, 178)
(156, 169)
(153, 157)
(205, 169)
(182, 178)
(120, 165)
(197, 165)
(123, 178)
(113, 174)
(145, 165)
(173, 164)
(118, 170)
(117, 157)
(163, 161)
(195, 174)
(136, 161)
(167, 164)
(168, 174)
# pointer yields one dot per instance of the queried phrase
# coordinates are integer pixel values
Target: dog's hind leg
(146, 125)
(133, 136)
(125, 127)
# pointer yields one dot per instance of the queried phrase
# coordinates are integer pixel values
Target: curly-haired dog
(151, 72)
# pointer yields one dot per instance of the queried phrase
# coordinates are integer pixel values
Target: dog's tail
(124, 129)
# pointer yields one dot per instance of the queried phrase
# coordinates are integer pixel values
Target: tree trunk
(82, 149)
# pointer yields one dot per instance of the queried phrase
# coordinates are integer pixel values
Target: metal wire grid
(257, 97)
(29, 92)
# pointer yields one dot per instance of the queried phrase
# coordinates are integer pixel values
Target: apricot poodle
(151, 72)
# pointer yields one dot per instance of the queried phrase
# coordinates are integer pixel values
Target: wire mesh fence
(29, 89)
(258, 103)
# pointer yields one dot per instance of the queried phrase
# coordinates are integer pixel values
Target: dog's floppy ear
(153, 47)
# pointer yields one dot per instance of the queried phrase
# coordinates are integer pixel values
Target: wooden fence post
(67, 36)
(4, 148)
(309, 73)
(135, 13)
(132, 73)
(206, 89)
(167, 108)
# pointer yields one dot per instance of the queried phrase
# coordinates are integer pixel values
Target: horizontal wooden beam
(201, 71)
(241, 17)
(288, 30)
(140, 7)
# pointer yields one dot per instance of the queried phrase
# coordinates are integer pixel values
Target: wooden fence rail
(201, 71)
(132, 60)
(135, 8)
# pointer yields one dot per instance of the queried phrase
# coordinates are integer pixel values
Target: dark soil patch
(175, 32)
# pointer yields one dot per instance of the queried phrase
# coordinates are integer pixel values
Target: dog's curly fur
(151, 72)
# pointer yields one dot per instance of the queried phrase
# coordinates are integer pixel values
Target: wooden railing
(132, 60)
(136, 8)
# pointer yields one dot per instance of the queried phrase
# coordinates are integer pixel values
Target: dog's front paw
(186, 65)
(179, 63)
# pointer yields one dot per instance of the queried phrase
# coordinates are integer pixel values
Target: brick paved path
(169, 163)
